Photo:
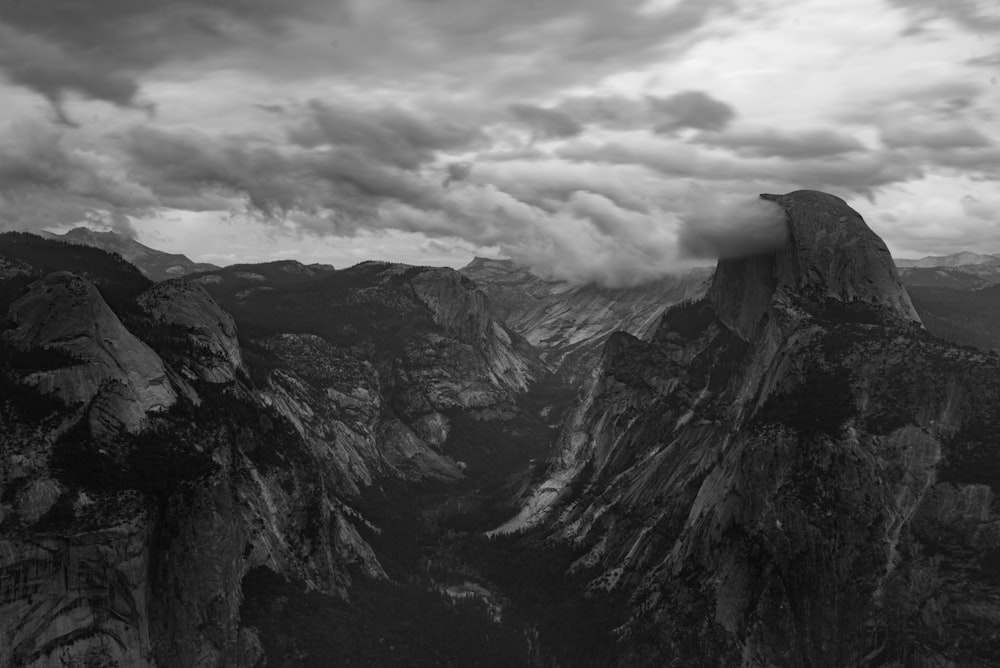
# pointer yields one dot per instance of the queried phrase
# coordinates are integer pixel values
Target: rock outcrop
(790, 472)
(129, 546)
(212, 331)
(118, 375)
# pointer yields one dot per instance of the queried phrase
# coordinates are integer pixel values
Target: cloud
(972, 15)
(934, 136)
(727, 227)
(457, 172)
(692, 109)
(795, 144)
(991, 61)
(664, 114)
(63, 46)
(388, 134)
(52, 72)
(857, 172)
(46, 178)
(546, 123)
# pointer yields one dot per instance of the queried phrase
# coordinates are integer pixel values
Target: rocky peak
(831, 254)
(188, 305)
(119, 376)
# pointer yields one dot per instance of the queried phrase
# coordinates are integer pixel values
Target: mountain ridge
(156, 264)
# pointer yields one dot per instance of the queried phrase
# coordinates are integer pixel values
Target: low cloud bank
(732, 227)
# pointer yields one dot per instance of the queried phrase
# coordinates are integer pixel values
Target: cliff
(568, 324)
(259, 406)
(790, 472)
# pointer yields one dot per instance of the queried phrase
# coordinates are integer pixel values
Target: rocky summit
(789, 472)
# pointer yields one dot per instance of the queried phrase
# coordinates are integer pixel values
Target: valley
(775, 463)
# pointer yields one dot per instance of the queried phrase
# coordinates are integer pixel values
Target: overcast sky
(582, 137)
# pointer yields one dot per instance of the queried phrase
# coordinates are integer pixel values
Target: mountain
(157, 265)
(569, 323)
(959, 271)
(967, 316)
(957, 296)
(247, 465)
(790, 472)
(963, 259)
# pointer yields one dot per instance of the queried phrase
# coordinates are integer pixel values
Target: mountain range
(155, 264)
(775, 463)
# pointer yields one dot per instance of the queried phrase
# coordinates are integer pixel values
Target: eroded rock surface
(113, 368)
(791, 472)
(568, 324)
(212, 331)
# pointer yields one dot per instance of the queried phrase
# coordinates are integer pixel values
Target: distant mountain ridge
(962, 259)
(569, 323)
(156, 264)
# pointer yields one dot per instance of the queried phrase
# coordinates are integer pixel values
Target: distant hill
(959, 271)
(966, 316)
(157, 265)
(963, 259)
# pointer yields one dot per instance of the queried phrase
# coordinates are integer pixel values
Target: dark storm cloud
(691, 109)
(180, 165)
(100, 49)
(458, 172)
(665, 114)
(729, 228)
(768, 142)
(546, 123)
(38, 158)
(857, 172)
(105, 50)
(387, 135)
(186, 169)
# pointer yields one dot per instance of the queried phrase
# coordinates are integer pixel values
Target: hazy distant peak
(479, 262)
(961, 259)
(155, 264)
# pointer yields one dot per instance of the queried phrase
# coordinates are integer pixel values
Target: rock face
(118, 375)
(217, 357)
(129, 547)
(568, 324)
(792, 475)
(832, 255)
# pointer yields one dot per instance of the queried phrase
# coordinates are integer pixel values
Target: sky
(589, 140)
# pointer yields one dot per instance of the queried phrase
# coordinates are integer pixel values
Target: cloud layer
(593, 141)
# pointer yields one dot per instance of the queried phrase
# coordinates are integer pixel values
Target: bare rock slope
(568, 324)
(791, 471)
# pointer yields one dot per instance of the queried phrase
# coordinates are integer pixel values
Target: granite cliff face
(117, 376)
(216, 357)
(248, 445)
(790, 472)
(568, 324)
